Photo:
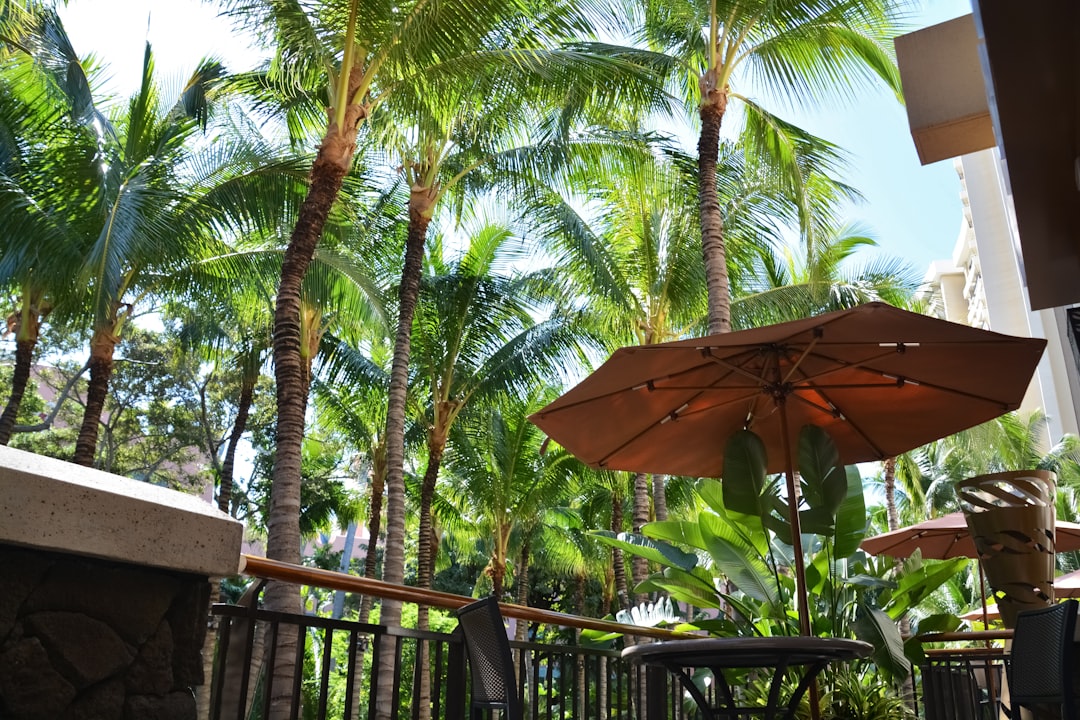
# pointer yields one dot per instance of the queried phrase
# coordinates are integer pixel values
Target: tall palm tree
(149, 219)
(417, 51)
(47, 146)
(142, 200)
(796, 50)
(636, 253)
(351, 398)
(475, 337)
(501, 481)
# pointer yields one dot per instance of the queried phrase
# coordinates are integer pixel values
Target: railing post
(455, 677)
(656, 691)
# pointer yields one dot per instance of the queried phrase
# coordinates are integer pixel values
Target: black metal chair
(494, 686)
(1041, 665)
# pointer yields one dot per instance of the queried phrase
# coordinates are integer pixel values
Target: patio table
(810, 655)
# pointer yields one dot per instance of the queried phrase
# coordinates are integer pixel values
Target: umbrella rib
(675, 414)
(650, 384)
(837, 412)
(900, 380)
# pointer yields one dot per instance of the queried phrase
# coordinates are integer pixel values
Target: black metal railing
(962, 683)
(335, 673)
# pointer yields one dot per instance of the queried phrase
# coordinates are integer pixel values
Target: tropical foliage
(332, 288)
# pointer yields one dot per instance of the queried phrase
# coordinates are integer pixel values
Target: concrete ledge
(945, 96)
(55, 505)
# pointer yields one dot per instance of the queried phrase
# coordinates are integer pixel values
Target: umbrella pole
(991, 684)
(982, 594)
(796, 544)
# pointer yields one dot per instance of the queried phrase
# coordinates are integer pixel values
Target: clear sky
(913, 211)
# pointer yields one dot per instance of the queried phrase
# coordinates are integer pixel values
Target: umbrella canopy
(1065, 586)
(948, 536)
(878, 379)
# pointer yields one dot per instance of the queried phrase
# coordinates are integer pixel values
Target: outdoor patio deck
(557, 678)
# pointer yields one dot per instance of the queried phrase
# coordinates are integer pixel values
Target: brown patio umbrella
(1065, 586)
(948, 536)
(879, 380)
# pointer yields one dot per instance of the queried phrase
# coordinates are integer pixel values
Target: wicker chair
(1041, 665)
(490, 662)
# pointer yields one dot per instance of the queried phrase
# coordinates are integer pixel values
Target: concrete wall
(105, 589)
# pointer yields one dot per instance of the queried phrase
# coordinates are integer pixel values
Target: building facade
(983, 285)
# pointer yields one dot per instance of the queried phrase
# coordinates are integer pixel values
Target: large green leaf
(738, 560)
(652, 550)
(744, 475)
(824, 483)
(942, 622)
(695, 587)
(817, 521)
(711, 491)
(878, 629)
(682, 532)
(851, 517)
(913, 586)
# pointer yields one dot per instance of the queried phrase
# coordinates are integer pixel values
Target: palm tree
(475, 337)
(636, 254)
(801, 51)
(414, 50)
(47, 144)
(795, 283)
(151, 220)
(502, 483)
(351, 399)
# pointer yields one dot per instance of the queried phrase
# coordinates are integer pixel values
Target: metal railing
(962, 683)
(335, 667)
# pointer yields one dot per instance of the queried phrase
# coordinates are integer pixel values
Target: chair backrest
(1040, 669)
(490, 661)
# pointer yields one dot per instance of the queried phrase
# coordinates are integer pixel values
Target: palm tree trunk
(659, 497)
(375, 503)
(622, 592)
(639, 566)
(425, 562)
(243, 408)
(424, 559)
(891, 512)
(522, 627)
(579, 658)
(26, 337)
(713, 105)
(374, 526)
(102, 347)
(394, 557)
(283, 521)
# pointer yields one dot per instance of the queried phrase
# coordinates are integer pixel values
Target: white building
(999, 91)
(983, 285)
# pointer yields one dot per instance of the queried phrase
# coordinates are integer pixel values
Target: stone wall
(83, 638)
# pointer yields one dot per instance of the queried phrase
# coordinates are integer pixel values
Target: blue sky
(913, 211)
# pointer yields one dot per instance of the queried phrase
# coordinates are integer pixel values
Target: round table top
(747, 652)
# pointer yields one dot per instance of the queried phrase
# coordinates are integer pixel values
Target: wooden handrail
(972, 636)
(951, 652)
(301, 575)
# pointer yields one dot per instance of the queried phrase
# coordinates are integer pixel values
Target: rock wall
(84, 639)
